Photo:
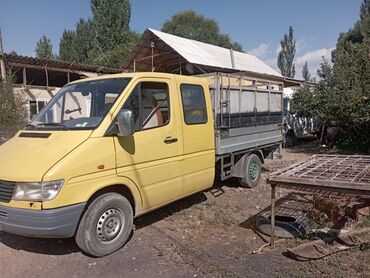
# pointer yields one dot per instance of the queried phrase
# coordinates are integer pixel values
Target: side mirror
(125, 122)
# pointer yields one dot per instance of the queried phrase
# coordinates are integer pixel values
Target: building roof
(200, 53)
(14, 60)
(159, 51)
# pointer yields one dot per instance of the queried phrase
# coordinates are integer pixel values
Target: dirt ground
(209, 234)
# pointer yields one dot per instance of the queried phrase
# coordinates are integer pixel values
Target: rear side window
(194, 104)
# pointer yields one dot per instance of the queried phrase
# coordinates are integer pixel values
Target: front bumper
(52, 223)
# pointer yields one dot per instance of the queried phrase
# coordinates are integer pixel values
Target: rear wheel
(105, 226)
(252, 173)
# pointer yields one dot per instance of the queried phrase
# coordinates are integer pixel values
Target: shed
(159, 51)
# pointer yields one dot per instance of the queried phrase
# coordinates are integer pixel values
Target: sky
(257, 24)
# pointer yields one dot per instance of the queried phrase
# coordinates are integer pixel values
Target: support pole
(24, 77)
(47, 77)
(2, 63)
(273, 189)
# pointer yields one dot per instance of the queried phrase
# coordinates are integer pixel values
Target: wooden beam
(19, 65)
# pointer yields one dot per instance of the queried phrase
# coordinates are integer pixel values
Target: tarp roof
(200, 53)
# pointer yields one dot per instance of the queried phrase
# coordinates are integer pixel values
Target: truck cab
(103, 151)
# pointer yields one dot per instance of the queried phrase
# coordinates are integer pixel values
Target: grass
(224, 217)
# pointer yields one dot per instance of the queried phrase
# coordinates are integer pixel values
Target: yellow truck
(107, 149)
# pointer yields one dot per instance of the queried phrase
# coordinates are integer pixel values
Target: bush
(342, 94)
(12, 115)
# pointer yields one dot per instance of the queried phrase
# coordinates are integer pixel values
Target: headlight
(38, 191)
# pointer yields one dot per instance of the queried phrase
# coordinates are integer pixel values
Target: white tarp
(200, 53)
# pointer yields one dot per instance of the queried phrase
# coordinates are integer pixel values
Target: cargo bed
(247, 111)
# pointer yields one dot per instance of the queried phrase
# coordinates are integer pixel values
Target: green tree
(67, 47)
(306, 73)
(342, 94)
(76, 46)
(11, 108)
(105, 39)
(191, 25)
(365, 9)
(285, 60)
(44, 48)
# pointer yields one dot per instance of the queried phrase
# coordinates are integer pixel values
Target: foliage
(342, 95)
(11, 107)
(285, 60)
(44, 48)
(110, 23)
(365, 9)
(67, 47)
(306, 73)
(105, 39)
(191, 25)
(76, 46)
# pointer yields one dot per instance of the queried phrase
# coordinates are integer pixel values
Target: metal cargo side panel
(247, 111)
(248, 138)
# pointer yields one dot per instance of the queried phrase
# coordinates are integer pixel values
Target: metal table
(325, 175)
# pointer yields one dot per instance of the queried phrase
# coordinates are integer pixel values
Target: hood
(29, 155)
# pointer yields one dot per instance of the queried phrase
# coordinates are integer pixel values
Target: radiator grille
(6, 191)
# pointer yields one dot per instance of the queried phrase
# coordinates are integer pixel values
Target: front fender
(81, 189)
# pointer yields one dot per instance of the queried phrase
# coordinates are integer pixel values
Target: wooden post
(2, 63)
(68, 77)
(24, 77)
(273, 189)
(47, 77)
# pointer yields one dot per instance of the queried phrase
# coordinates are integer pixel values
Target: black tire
(105, 226)
(286, 225)
(252, 173)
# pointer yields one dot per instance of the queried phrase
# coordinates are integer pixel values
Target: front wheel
(105, 226)
(252, 173)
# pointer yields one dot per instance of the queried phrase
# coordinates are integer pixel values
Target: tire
(106, 225)
(286, 225)
(252, 174)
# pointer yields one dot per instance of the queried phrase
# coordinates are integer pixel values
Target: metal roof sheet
(200, 53)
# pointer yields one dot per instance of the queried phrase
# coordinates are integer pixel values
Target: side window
(194, 104)
(149, 103)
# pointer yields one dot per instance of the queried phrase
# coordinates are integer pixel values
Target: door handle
(170, 140)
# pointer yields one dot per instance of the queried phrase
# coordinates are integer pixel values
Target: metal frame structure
(325, 175)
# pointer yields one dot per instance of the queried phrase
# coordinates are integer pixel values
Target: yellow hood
(29, 155)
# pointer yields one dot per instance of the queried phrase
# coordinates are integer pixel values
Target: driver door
(152, 156)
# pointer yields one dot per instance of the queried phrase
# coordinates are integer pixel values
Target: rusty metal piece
(319, 248)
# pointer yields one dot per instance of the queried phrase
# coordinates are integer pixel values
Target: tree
(191, 25)
(285, 60)
(365, 9)
(306, 73)
(11, 108)
(44, 48)
(342, 95)
(105, 39)
(67, 47)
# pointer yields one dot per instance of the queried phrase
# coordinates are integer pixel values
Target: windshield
(80, 106)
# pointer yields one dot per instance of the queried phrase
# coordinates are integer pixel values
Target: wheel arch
(121, 189)
(239, 168)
